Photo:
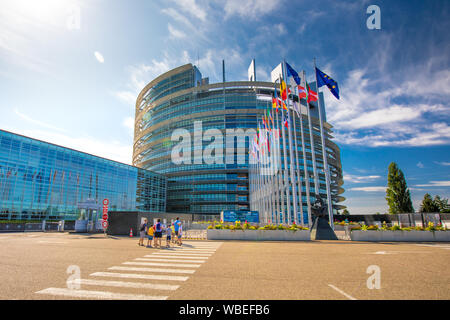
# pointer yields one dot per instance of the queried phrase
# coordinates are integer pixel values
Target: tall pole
(324, 154)
(291, 151)
(305, 163)
(299, 176)
(286, 180)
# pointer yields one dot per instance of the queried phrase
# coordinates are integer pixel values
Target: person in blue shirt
(158, 233)
(177, 225)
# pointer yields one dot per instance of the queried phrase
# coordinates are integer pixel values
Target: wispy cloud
(175, 33)
(435, 184)
(250, 8)
(420, 165)
(369, 189)
(443, 163)
(37, 122)
(359, 179)
(99, 57)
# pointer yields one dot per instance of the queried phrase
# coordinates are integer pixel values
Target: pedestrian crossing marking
(157, 270)
(98, 294)
(123, 284)
(138, 276)
(157, 264)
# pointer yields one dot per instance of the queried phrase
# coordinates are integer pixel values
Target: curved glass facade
(179, 101)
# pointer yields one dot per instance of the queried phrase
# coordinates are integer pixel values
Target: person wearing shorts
(150, 232)
(142, 233)
(177, 225)
(179, 235)
(158, 233)
(168, 235)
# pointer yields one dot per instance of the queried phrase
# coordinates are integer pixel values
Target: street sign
(105, 213)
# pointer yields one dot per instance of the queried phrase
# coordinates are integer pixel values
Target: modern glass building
(181, 108)
(40, 180)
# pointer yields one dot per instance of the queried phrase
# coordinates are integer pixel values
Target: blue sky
(70, 72)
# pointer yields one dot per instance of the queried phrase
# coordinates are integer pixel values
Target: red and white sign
(105, 213)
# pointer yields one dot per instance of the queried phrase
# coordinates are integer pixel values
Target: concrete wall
(120, 222)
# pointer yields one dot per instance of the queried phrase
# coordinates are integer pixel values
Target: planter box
(413, 235)
(258, 235)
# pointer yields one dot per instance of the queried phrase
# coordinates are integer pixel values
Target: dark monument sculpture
(321, 230)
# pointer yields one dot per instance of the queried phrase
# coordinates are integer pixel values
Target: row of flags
(304, 92)
(262, 150)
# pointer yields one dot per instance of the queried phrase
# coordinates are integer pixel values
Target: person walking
(158, 233)
(150, 233)
(142, 232)
(177, 225)
(180, 234)
(168, 235)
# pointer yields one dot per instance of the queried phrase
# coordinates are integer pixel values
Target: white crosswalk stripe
(175, 256)
(98, 294)
(169, 260)
(157, 270)
(138, 276)
(184, 254)
(124, 284)
(157, 264)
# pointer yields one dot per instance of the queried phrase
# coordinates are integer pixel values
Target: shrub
(395, 228)
(373, 227)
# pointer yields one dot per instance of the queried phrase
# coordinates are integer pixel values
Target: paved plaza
(44, 266)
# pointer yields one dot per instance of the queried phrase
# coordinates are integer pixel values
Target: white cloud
(37, 122)
(175, 33)
(191, 7)
(435, 184)
(369, 189)
(366, 114)
(443, 163)
(99, 57)
(420, 165)
(359, 179)
(250, 8)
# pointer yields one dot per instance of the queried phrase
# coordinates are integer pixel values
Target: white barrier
(388, 235)
(258, 235)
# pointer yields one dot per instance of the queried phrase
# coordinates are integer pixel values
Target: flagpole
(291, 153)
(313, 152)
(299, 176)
(326, 169)
(286, 181)
(305, 163)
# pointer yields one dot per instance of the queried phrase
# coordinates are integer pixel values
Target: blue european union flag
(324, 79)
(292, 73)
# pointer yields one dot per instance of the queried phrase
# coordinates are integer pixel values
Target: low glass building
(40, 180)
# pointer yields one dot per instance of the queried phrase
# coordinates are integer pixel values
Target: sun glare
(51, 12)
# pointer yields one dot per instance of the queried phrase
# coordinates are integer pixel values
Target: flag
(292, 73)
(324, 79)
(286, 120)
(283, 90)
(302, 92)
(284, 105)
(312, 95)
(275, 104)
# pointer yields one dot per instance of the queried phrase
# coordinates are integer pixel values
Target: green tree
(428, 205)
(345, 212)
(441, 204)
(397, 193)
